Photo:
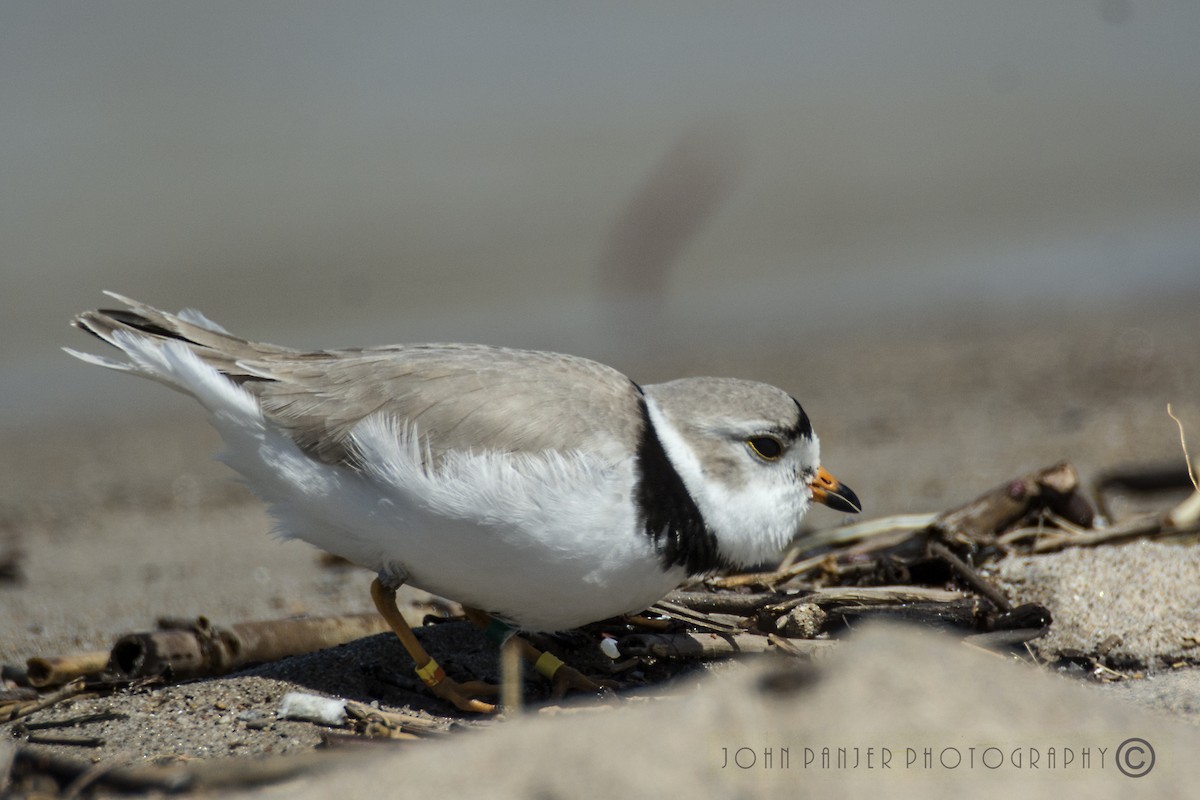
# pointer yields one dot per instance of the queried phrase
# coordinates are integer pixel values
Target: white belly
(547, 542)
(550, 578)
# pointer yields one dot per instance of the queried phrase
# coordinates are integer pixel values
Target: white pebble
(609, 648)
(313, 708)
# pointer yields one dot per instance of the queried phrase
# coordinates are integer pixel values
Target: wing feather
(456, 396)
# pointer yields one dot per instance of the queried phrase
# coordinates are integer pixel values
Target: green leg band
(498, 631)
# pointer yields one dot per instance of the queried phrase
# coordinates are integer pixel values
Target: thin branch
(1183, 444)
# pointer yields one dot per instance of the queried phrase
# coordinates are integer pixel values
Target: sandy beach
(119, 525)
(964, 236)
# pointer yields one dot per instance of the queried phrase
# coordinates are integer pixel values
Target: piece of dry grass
(1188, 512)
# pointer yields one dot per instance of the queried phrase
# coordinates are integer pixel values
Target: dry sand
(119, 525)
(897, 712)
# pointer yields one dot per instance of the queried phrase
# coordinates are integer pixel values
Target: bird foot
(465, 695)
(568, 678)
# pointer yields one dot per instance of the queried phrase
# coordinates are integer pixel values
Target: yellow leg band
(432, 673)
(547, 664)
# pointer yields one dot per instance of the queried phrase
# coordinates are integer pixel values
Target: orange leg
(462, 695)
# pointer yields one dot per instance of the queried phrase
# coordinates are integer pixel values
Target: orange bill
(829, 491)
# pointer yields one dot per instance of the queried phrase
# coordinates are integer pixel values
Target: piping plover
(546, 489)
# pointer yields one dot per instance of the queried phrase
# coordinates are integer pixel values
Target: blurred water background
(625, 181)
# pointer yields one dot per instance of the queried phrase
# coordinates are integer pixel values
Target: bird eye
(768, 448)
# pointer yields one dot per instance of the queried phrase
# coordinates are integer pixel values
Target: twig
(19, 710)
(1187, 512)
(709, 645)
(903, 523)
(1183, 444)
(70, 722)
(692, 645)
(885, 532)
(1148, 525)
(968, 573)
(361, 713)
(963, 614)
(869, 595)
(73, 741)
(714, 622)
(772, 578)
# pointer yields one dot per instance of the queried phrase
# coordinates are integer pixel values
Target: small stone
(802, 622)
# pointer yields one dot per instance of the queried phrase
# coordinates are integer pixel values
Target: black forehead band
(803, 426)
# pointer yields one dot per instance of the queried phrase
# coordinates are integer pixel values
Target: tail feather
(208, 341)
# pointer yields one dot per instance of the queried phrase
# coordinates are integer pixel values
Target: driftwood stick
(181, 652)
(707, 645)
(692, 645)
(275, 639)
(721, 602)
(201, 649)
(966, 613)
(869, 595)
(981, 520)
(57, 670)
